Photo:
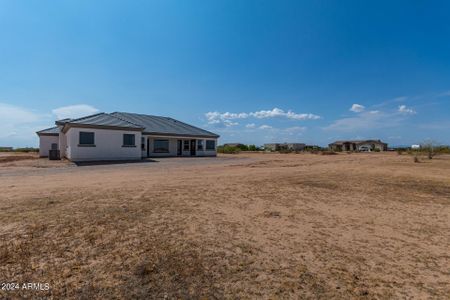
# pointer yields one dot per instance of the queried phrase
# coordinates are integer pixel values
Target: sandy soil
(269, 226)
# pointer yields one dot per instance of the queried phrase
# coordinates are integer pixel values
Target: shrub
(252, 148)
(285, 151)
(26, 150)
(242, 147)
(328, 152)
(228, 149)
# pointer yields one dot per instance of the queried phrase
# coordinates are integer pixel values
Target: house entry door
(179, 147)
(193, 147)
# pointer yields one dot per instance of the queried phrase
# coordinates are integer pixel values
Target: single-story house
(284, 146)
(359, 145)
(125, 136)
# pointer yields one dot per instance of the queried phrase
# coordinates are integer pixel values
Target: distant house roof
(49, 131)
(164, 125)
(148, 124)
(357, 142)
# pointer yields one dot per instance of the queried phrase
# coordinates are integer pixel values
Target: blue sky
(251, 71)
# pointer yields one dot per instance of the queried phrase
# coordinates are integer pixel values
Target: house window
(161, 146)
(186, 145)
(143, 143)
(199, 144)
(54, 146)
(210, 145)
(87, 139)
(129, 140)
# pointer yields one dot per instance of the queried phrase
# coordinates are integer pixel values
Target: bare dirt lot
(238, 226)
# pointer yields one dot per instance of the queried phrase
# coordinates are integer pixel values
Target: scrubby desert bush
(285, 151)
(26, 150)
(252, 148)
(228, 149)
(328, 152)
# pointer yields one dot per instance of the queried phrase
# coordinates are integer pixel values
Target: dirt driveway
(236, 226)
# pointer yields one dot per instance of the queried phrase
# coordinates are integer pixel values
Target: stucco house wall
(62, 145)
(45, 144)
(108, 145)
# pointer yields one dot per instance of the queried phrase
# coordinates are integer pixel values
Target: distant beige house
(359, 145)
(284, 146)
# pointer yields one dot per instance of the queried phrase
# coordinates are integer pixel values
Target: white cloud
(276, 112)
(12, 114)
(357, 108)
(229, 123)
(405, 110)
(216, 117)
(251, 125)
(365, 121)
(18, 125)
(265, 127)
(74, 111)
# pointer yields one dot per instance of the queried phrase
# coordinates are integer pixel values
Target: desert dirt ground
(265, 226)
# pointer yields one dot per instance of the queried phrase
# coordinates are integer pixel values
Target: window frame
(186, 145)
(83, 144)
(200, 145)
(209, 148)
(155, 150)
(133, 144)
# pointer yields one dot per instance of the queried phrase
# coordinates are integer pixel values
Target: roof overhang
(67, 126)
(182, 135)
(47, 134)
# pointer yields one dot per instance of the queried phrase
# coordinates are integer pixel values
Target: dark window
(199, 144)
(54, 146)
(210, 145)
(161, 146)
(143, 143)
(186, 145)
(129, 140)
(87, 138)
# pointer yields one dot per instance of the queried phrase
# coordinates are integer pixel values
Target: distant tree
(430, 147)
(252, 148)
(242, 147)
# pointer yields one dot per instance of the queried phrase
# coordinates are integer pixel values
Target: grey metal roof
(149, 124)
(163, 125)
(103, 119)
(53, 131)
(357, 142)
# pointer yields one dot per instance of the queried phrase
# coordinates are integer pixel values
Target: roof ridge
(139, 114)
(86, 117)
(121, 119)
